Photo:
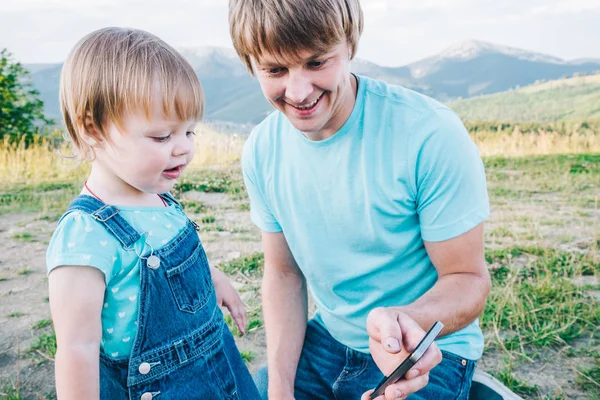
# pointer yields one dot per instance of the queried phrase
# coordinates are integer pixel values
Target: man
(371, 195)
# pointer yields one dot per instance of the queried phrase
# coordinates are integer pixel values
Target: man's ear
(88, 131)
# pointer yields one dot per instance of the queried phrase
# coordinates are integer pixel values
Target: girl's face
(146, 155)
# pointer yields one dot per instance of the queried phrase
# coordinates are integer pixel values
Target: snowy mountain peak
(473, 48)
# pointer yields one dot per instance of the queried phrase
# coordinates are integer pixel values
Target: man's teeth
(309, 105)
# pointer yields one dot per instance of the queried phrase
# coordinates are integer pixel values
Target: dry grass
(41, 162)
(516, 144)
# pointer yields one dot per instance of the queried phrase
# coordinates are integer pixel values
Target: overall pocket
(190, 282)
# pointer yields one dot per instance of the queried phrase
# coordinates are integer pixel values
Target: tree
(21, 110)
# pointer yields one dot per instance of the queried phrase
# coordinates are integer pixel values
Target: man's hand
(228, 297)
(392, 336)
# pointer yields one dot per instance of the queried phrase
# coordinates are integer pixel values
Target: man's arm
(285, 309)
(76, 296)
(457, 298)
(459, 295)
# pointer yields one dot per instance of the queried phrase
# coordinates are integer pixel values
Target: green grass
(42, 324)
(48, 198)
(208, 219)
(45, 344)
(589, 380)
(534, 303)
(247, 356)
(10, 391)
(194, 207)
(25, 271)
(23, 236)
(567, 99)
(248, 265)
(508, 378)
(212, 181)
(562, 177)
(15, 314)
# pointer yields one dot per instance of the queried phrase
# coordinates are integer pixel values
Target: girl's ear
(88, 131)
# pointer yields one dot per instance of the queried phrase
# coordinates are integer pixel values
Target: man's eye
(161, 139)
(316, 64)
(275, 71)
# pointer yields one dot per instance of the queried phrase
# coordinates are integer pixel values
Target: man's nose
(298, 88)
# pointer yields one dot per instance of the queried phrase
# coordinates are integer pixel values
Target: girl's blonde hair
(287, 27)
(113, 72)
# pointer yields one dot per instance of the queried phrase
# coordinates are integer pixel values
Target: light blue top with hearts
(80, 240)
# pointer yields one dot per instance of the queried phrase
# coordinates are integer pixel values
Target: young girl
(134, 302)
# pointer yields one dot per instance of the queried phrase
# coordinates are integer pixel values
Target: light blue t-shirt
(81, 240)
(355, 208)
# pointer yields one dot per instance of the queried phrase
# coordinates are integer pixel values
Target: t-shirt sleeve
(79, 240)
(449, 179)
(260, 212)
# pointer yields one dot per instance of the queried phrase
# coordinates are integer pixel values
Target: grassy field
(543, 251)
(566, 99)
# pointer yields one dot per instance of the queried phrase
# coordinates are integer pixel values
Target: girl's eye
(161, 139)
(190, 133)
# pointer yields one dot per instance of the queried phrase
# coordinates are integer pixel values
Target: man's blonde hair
(113, 72)
(287, 27)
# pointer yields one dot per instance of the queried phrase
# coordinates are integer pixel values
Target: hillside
(468, 69)
(559, 100)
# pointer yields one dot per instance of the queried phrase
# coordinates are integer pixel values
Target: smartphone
(409, 361)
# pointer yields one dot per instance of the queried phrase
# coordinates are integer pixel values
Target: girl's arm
(76, 298)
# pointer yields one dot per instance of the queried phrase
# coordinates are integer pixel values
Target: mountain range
(469, 69)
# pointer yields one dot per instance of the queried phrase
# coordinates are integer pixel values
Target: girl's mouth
(173, 173)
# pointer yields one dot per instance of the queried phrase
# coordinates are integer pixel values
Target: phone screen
(410, 360)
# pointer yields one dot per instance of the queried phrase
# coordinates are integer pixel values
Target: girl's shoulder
(81, 240)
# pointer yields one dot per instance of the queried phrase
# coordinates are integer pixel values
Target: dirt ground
(24, 301)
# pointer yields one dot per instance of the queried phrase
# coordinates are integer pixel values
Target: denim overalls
(182, 349)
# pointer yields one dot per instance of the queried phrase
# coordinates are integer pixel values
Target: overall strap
(169, 199)
(108, 216)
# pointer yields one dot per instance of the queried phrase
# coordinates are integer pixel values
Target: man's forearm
(285, 311)
(455, 299)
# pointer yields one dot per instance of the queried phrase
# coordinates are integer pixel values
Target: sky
(396, 32)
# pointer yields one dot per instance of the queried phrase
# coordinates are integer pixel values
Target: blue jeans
(329, 370)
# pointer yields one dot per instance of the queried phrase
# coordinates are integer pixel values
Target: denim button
(146, 396)
(464, 363)
(153, 262)
(144, 368)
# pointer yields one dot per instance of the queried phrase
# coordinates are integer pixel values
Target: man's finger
(366, 395)
(404, 387)
(431, 358)
(383, 325)
(412, 333)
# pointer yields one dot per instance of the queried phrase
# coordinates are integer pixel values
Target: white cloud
(567, 7)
